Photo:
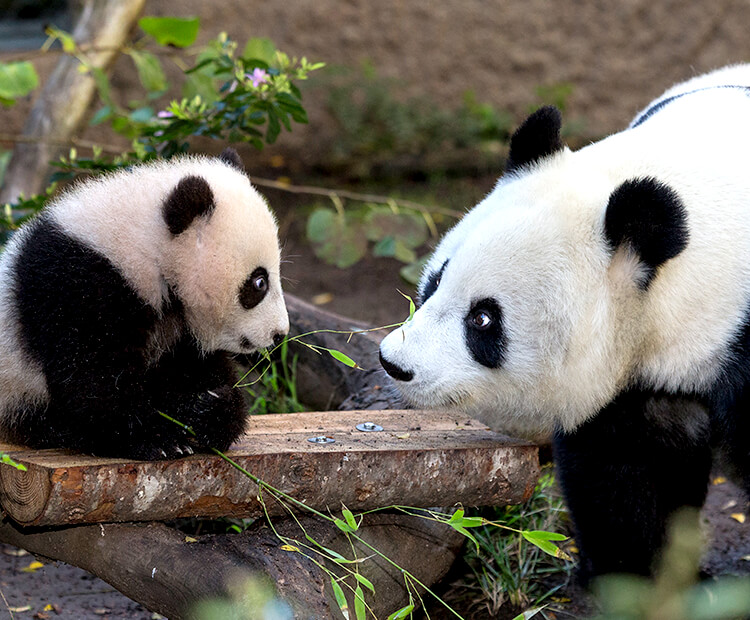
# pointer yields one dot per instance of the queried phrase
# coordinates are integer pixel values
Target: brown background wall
(617, 54)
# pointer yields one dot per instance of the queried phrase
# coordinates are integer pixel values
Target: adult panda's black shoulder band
(659, 105)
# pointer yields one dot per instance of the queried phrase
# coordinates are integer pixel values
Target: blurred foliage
(676, 593)
(247, 96)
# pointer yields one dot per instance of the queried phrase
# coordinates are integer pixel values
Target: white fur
(22, 380)
(578, 327)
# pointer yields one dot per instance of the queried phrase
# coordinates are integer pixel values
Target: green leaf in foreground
(17, 79)
(343, 358)
(360, 610)
(542, 540)
(340, 598)
(401, 614)
(176, 31)
(4, 458)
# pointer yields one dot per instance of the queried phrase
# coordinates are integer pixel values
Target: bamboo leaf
(340, 598)
(401, 614)
(365, 582)
(360, 609)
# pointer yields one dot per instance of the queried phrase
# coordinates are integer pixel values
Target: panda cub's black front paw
(163, 452)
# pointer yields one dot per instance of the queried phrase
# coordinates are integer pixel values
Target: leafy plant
(230, 96)
(275, 389)
(503, 572)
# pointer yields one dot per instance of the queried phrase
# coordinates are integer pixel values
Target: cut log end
(24, 494)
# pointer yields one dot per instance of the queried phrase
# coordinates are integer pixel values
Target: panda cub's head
(222, 258)
(190, 231)
(531, 306)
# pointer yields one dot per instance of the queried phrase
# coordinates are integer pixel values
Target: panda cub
(603, 296)
(124, 299)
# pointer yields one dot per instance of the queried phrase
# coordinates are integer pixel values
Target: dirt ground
(367, 292)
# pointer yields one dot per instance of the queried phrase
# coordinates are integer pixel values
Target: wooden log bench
(105, 515)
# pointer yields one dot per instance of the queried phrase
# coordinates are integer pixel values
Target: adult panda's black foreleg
(626, 471)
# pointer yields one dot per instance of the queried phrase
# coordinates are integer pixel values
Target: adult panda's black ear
(232, 157)
(536, 138)
(650, 218)
(191, 198)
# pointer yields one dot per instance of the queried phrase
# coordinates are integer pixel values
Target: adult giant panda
(603, 295)
(121, 301)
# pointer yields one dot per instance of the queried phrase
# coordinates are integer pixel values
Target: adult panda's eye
(483, 330)
(254, 289)
(432, 284)
(481, 319)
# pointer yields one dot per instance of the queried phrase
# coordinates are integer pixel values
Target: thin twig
(313, 190)
(330, 193)
(77, 142)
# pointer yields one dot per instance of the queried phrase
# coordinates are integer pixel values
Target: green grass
(507, 575)
(274, 389)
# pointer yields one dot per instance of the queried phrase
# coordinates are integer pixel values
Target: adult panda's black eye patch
(483, 329)
(432, 284)
(254, 289)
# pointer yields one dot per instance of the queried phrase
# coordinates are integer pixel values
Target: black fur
(486, 343)
(88, 329)
(191, 198)
(538, 137)
(432, 284)
(254, 289)
(395, 371)
(232, 157)
(645, 455)
(650, 217)
(659, 105)
(623, 477)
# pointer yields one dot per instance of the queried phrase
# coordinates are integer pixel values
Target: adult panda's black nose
(396, 372)
(278, 339)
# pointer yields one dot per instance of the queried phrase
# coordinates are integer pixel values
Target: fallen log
(419, 458)
(159, 567)
(449, 458)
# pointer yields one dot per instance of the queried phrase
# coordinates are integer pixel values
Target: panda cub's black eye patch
(432, 284)
(254, 289)
(485, 337)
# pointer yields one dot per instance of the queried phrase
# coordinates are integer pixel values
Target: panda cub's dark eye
(260, 283)
(254, 289)
(481, 319)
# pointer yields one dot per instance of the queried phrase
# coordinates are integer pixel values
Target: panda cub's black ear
(650, 218)
(232, 157)
(191, 198)
(536, 138)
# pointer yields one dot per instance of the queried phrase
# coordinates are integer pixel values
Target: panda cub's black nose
(396, 372)
(278, 339)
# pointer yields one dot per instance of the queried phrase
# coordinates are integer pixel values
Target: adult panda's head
(531, 308)
(222, 258)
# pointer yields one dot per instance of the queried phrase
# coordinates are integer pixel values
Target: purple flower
(164, 114)
(257, 77)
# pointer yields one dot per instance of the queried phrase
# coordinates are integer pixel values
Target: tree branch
(61, 106)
